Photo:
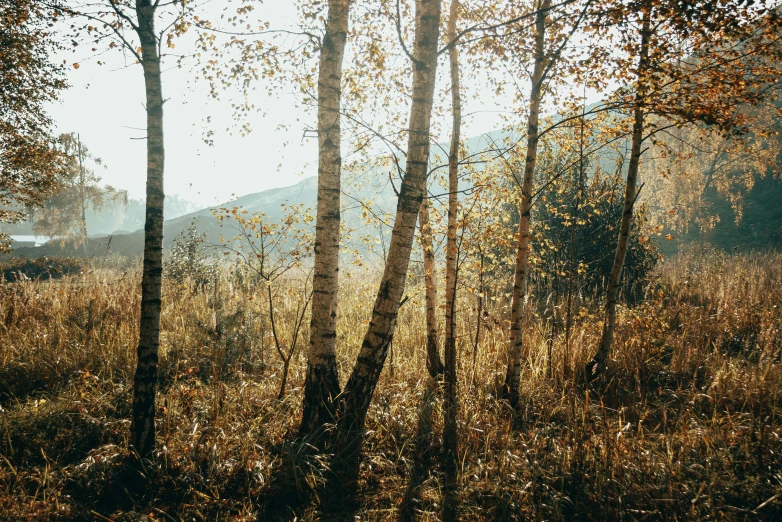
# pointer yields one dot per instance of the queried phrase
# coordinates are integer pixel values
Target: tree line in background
(29, 161)
(687, 87)
(79, 206)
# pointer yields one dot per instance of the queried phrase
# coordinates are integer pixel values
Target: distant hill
(114, 218)
(269, 202)
(132, 243)
(761, 226)
(373, 186)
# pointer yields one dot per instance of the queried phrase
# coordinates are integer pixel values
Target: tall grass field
(685, 424)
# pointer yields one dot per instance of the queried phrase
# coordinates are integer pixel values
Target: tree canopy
(29, 80)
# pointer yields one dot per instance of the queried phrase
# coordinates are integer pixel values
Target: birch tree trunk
(360, 387)
(145, 380)
(513, 375)
(450, 398)
(322, 381)
(433, 362)
(597, 364)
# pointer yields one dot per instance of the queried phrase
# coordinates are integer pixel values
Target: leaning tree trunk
(358, 391)
(322, 381)
(513, 375)
(434, 364)
(145, 380)
(450, 398)
(596, 365)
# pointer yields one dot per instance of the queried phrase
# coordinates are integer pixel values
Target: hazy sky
(105, 105)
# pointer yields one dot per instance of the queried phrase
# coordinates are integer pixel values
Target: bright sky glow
(105, 105)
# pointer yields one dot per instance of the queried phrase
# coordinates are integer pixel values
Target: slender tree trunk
(513, 375)
(360, 387)
(572, 252)
(322, 381)
(145, 381)
(285, 367)
(597, 364)
(433, 362)
(277, 344)
(553, 325)
(450, 399)
(82, 196)
(480, 317)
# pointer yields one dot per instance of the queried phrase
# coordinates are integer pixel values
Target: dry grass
(684, 427)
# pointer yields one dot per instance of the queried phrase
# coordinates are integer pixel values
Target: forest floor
(685, 425)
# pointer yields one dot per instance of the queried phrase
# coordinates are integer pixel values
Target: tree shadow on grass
(425, 450)
(111, 479)
(299, 480)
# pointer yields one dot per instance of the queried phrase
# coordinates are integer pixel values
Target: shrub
(189, 260)
(43, 268)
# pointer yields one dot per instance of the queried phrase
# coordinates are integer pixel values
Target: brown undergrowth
(684, 426)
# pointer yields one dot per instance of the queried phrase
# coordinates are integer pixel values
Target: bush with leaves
(189, 261)
(591, 203)
(596, 221)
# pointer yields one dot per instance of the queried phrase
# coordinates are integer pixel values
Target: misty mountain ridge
(370, 191)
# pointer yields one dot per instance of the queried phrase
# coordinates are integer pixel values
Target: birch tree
(141, 28)
(513, 374)
(630, 194)
(434, 363)
(360, 387)
(322, 384)
(145, 379)
(64, 215)
(551, 38)
(450, 399)
(695, 65)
